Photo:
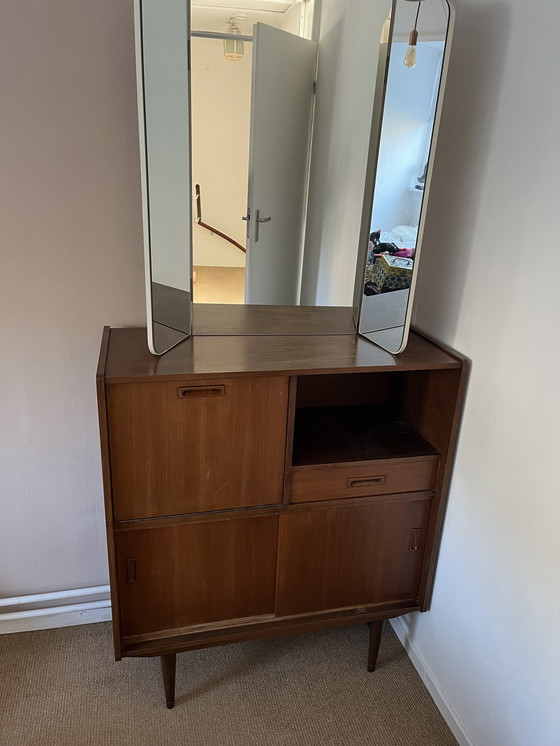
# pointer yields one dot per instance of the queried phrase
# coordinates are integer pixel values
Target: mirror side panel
(163, 86)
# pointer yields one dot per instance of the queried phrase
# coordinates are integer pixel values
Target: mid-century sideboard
(273, 474)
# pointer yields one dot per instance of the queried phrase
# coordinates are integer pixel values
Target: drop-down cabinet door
(355, 555)
(196, 446)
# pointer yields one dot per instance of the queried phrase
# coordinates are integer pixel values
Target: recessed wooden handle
(366, 481)
(131, 570)
(192, 392)
(414, 539)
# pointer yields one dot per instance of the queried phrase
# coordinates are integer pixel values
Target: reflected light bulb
(410, 56)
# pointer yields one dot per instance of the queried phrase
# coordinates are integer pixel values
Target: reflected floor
(219, 284)
(383, 311)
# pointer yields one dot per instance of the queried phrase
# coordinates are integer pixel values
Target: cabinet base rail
(183, 640)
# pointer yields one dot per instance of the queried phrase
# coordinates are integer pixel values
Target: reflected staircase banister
(210, 228)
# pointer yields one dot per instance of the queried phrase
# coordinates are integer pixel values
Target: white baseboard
(57, 609)
(447, 712)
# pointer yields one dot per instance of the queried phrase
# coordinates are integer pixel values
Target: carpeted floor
(62, 688)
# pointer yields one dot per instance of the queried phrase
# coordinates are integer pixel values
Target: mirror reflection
(252, 74)
(416, 60)
(163, 110)
(225, 153)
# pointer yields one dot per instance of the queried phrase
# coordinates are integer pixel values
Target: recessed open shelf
(362, 432)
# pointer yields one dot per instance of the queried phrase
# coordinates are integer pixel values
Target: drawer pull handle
(131, 570)
(192, 392)
(367, 482)
(414, 539)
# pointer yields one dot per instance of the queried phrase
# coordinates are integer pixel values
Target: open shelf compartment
(327, 435)
(361, 417)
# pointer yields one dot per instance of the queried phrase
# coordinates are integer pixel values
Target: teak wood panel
(345, 389)
(196, 573)
(433, 401)
(128, 358)
(382, 477)
(429, 402)
(108, 497)
(211, 320)
(351, 556)
(196, 446)
(204, 636)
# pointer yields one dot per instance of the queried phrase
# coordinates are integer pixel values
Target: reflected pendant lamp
(234, 49)
(410, 56)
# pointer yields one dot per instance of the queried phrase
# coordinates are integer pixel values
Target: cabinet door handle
(131, 570)
(414, 539)
(366, 481)
(192, 392)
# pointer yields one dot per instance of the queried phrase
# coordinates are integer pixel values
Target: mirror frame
(174, 336)
(169, 336)
(371, 174)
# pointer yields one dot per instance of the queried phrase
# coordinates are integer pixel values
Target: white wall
(346, 83)
(221, 107)
(488, 285)
(71, 261)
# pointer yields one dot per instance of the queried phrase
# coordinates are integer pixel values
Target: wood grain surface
(359, 478)
(172, 453)
(353, 556)
(212, 320)
(128, 357)
(195, 573)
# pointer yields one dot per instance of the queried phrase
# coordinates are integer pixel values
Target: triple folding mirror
(226, 104)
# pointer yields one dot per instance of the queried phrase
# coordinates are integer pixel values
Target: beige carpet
(62, 688)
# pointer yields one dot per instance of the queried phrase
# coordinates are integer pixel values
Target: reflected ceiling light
(410, 56)
(233, 48)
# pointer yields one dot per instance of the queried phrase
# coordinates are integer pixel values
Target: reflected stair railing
(210, 228)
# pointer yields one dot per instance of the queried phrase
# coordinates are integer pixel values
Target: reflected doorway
(221, 83)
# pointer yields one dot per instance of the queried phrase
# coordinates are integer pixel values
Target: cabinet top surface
(262, 340)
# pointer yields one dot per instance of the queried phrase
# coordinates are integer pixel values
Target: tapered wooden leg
(168, 666)
(375, 632)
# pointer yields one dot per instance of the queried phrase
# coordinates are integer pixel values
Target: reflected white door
(281, 112)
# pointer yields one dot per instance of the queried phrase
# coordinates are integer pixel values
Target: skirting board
(57, 609)
(447, 712)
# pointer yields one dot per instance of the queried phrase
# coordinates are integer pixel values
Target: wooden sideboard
(279, 475)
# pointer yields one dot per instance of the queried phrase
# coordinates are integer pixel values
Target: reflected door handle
(258, 220)
(247, 219)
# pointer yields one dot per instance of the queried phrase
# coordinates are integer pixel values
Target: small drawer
(383, 477)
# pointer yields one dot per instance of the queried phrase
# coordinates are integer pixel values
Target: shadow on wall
(322, 170)
(476, 72)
